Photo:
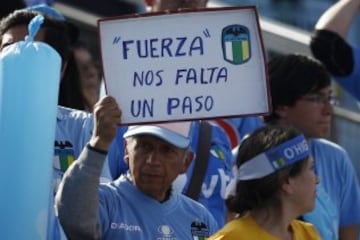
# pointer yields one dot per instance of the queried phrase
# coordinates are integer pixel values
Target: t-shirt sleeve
(333, 51)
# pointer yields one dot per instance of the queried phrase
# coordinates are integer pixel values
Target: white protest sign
(185, 65)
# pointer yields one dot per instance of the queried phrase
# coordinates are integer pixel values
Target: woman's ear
(186, 163)
(288, 186)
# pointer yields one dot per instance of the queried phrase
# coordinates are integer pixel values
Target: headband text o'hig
(274, 159)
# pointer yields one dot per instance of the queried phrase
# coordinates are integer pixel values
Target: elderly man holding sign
(141, 204)
(217, 163)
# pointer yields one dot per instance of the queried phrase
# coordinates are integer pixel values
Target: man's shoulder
(326, 150)
(325, 144)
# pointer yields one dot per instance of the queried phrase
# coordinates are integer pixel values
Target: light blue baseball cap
(175, 133)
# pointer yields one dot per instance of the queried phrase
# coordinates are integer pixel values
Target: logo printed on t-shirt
(126, 227)
(166, 233)
(217, 152)
(199, 230)
(63, 155)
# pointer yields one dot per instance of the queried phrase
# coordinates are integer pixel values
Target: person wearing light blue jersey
(140, 204)
(302, 97)
(217, 176)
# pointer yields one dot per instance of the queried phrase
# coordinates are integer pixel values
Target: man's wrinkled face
(154, 164)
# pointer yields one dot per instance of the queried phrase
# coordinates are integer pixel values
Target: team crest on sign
(236, 44)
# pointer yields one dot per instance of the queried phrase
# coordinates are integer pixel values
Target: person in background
(80, 85)
(141, 203)
(89, 75)
(302, 97)
(276, 183)
(70, 92)
(329, 45)
(73, 128)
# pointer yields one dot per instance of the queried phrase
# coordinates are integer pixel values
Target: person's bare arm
(339, 17)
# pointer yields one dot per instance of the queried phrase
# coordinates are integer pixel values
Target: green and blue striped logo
(236, 44)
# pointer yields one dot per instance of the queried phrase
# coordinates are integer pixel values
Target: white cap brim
(177, 134)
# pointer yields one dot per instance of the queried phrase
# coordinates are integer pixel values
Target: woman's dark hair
(70, 94)
(293, 76)
(259, 193)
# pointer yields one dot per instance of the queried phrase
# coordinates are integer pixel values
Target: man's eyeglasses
(321, 99)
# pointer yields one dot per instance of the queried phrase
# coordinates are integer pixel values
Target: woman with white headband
(276, 184)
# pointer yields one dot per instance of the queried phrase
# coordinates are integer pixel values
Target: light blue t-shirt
(217, 176)
(338, 193)
(127, 213)
(325, 216)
